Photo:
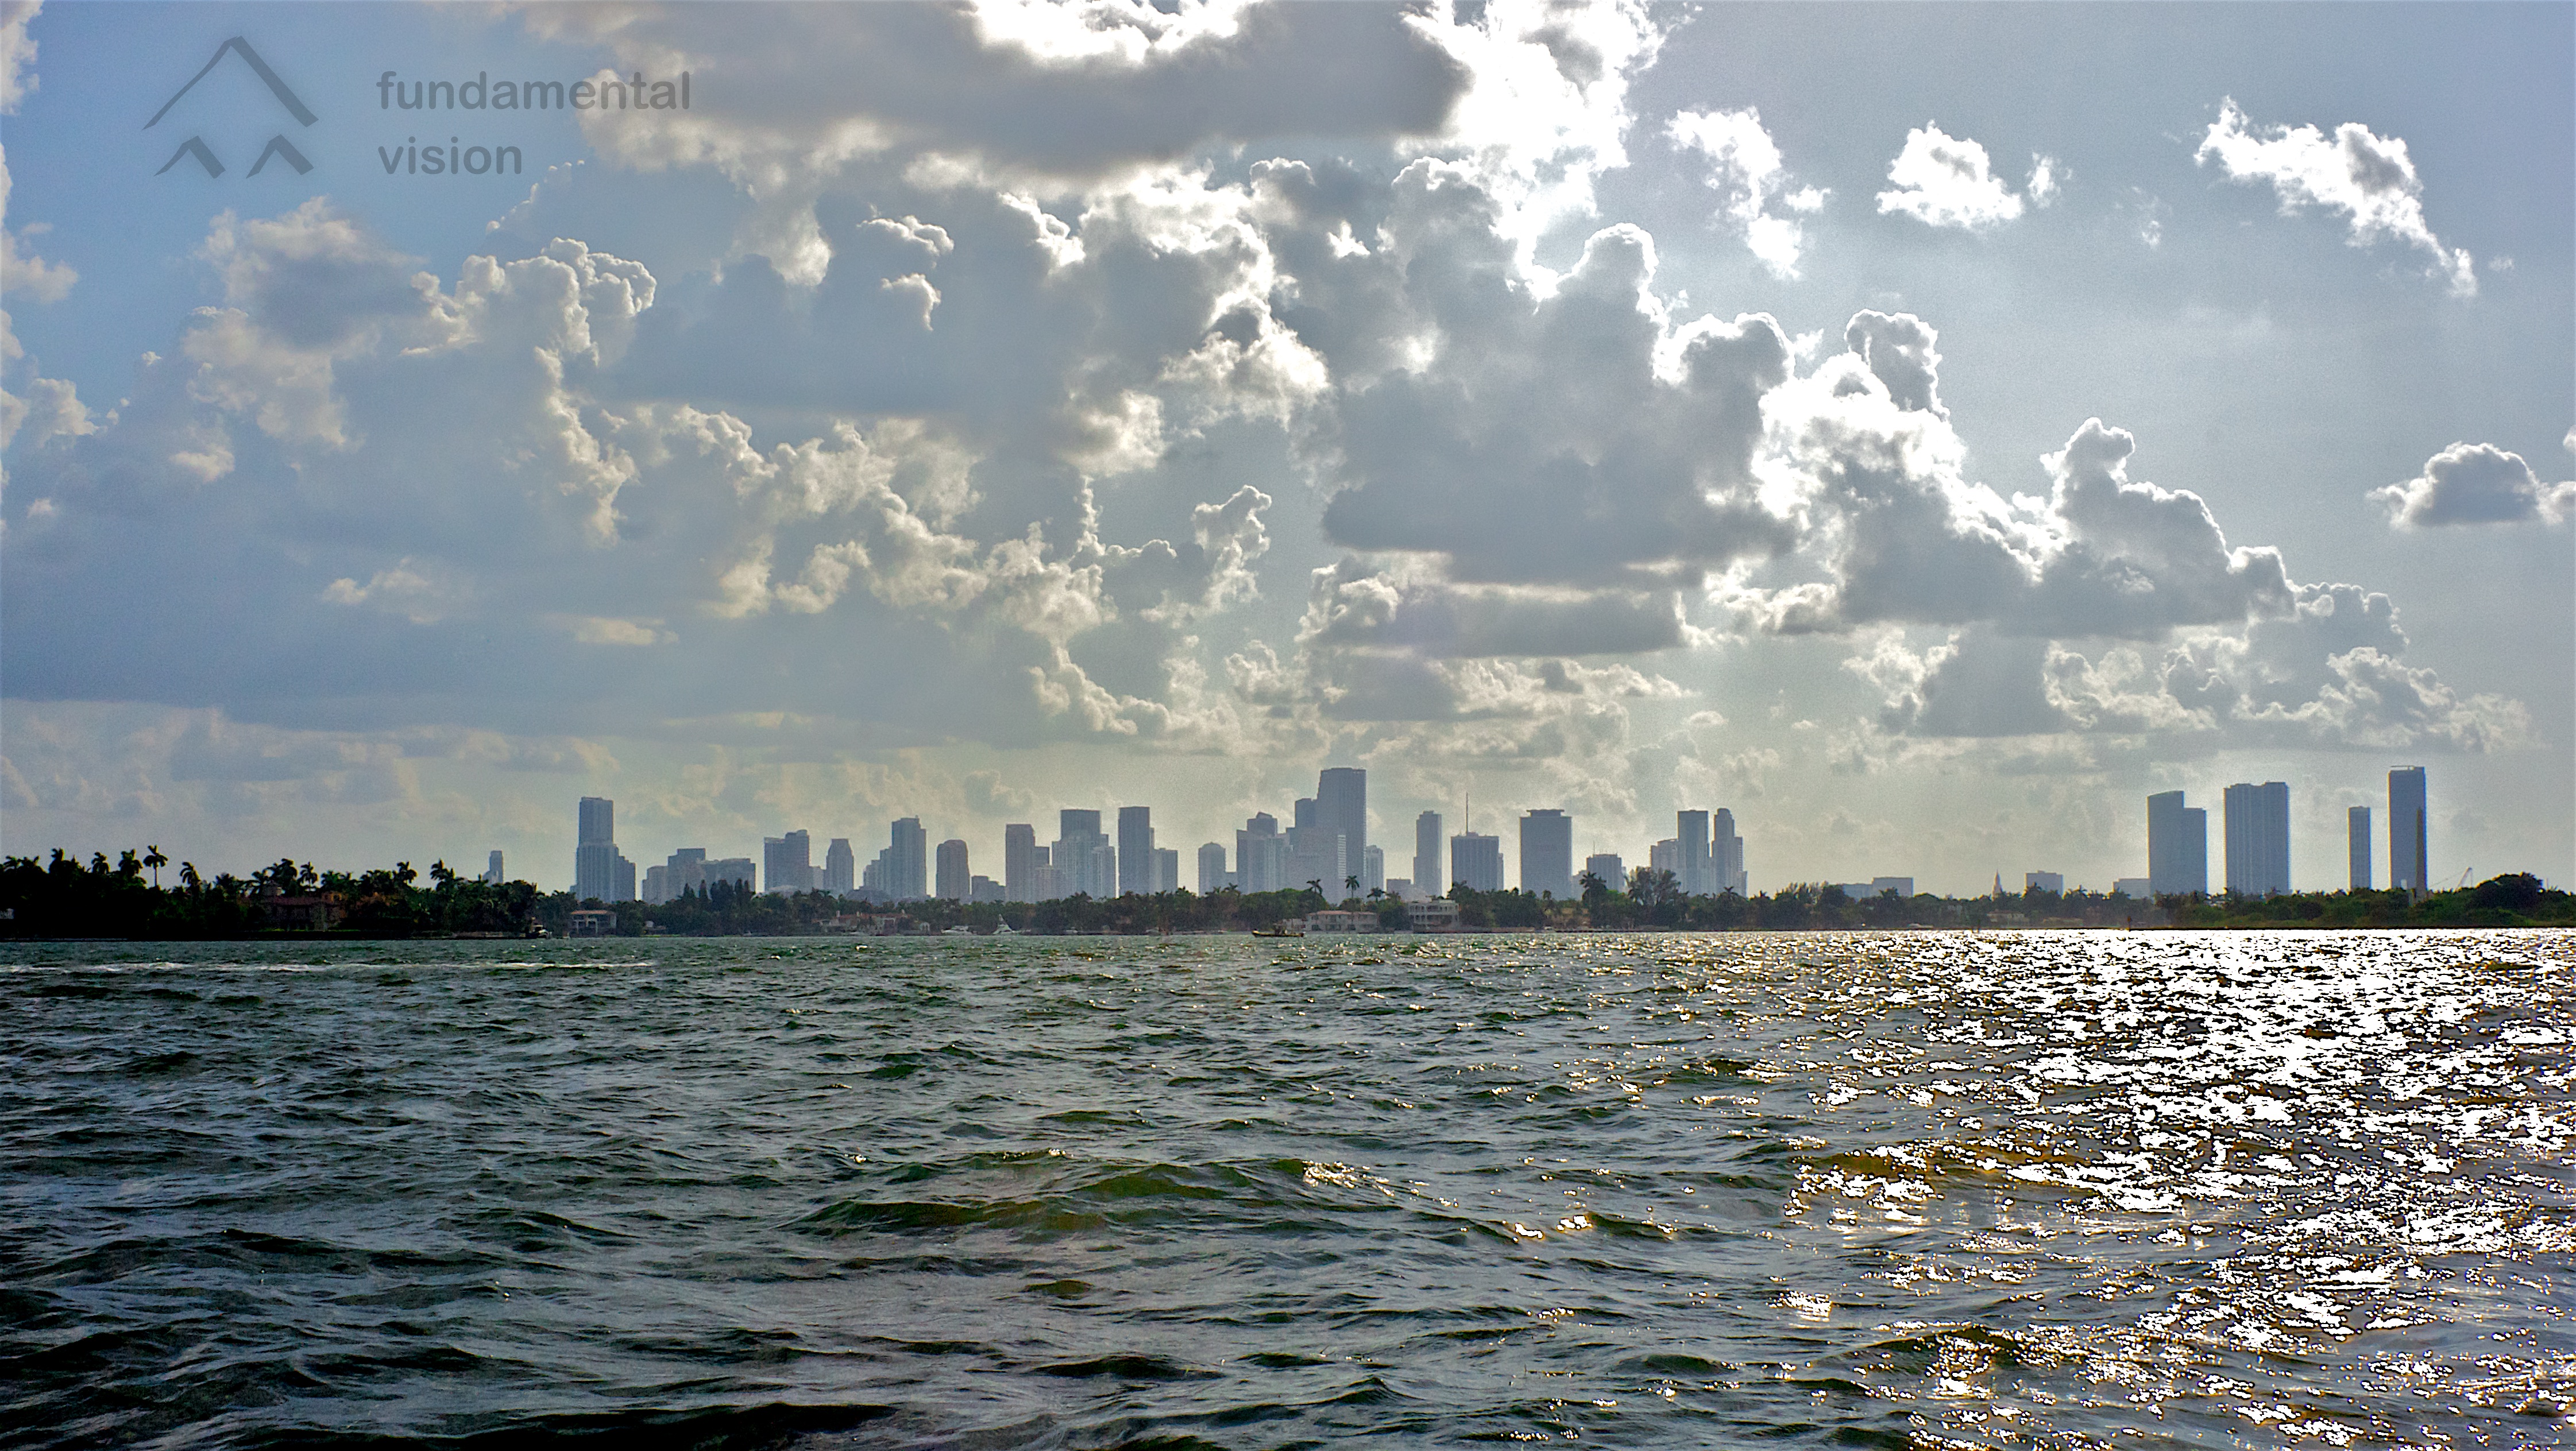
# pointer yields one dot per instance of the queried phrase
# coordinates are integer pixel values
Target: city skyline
(1706, 856)
(1616, 409)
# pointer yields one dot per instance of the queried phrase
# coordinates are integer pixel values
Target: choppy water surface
(2021, 1189)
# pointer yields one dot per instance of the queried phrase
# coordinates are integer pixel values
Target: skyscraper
(1476, 862)
(2177, 846)
(1341, 809)
(1261, 854)
(1167, 869)
(1607, 866)
(954, 878)
(1373, 870)
(1697, 869)
(1212, 868)
(840, 867)
(1019, 862)
(1135, 850)
(910, 846)
(492, 872)
(1726, 856)
(2258, 838)
(2410, 865)
(1428, 879)
(1085, 861)
(1314, 853)
(595, 862)
(1547, 853)
(787, 862)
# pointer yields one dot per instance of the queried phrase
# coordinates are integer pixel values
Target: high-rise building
(1476, 862)
(1697, 869)
(1428, 879)
(1341, 809)
(1167, 869)
(907, 860)
(1547, 853)
(840, 868)
(1314, 853)
(1135, 850)
(2177, 846)
(954, 878)
(787, 862)
(1019, 862)
(2053, 883)
(492, 873)
(684, 870)
(2136, 889)
(2357, 831)
(1261, 854)
(1212, 873)
(2410, 867)
(1665, 856)
(1373, 870)
(1726, 856)
(1607, 866)
(598, 872)
(1085, 862)
(2258, 838)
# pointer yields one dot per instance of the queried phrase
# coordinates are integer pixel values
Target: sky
(1923, 430)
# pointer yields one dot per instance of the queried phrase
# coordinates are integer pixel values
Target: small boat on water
(1276, 932)
(957, 932)
(1006, 930)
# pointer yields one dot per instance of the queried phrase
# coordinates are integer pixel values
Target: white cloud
(2047, 180)
(2475, 483)
(17, 53)
(1746, 172)
(2370, 179)
(1947, 181)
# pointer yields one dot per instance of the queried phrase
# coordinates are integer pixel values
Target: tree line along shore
(127, 898)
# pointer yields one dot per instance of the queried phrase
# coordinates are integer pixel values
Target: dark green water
(2015, 1190)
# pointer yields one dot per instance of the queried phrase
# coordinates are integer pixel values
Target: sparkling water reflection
(1922, 1189)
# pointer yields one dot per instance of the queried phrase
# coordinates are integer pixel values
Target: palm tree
(153, 858)
(1354, 884)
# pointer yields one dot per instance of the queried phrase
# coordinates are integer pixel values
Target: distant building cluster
(1325, 845)
(2257, 841)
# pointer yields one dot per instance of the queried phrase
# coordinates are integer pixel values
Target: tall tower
(2357, 830)
(907, 854)
(1697, 871)
(1341, 809)
(1428, 879)
(1476, 862)
(2409, 865)
(954, 878)
(840, 867)
(1547, 853)
(1726, 856)
(2258, 839)
(1019, 862)
(594, 854)
(2177, 846)
(1136, 850)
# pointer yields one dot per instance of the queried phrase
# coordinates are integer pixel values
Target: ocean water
(2025, 1189)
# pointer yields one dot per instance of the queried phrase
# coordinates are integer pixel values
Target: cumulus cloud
(1752, 184)
(2367, 178)
(2475, 483)
(1942, 180)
